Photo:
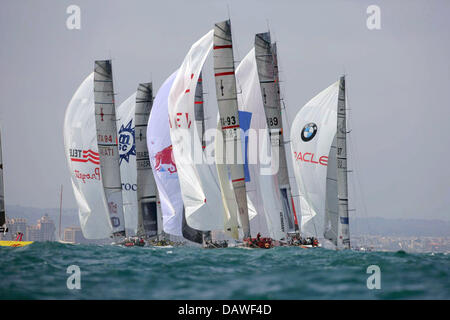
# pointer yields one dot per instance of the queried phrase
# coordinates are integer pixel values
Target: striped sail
(2, 193)
(229, 117)
(146, 186)
(80, 146)
(105, 120)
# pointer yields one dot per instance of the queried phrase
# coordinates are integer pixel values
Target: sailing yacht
(3, 227)
(210, 206)
(91, 145)
(319, 154)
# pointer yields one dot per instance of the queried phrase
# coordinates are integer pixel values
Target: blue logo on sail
(309, 131)
(245, 118)
(127, 146)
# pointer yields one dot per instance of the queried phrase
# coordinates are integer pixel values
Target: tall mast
(105, 120)
(146, 187)
(2, 194)
(229, 117)
(343, 239)
(266, 60)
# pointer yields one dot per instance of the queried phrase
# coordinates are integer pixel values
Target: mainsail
(148, 225)
(80, 145)
(229, 117)
(343, 239)
(266, 59)
(261, 184)
(319, 155)
(105, 121)
(2, 193)
(127, 153)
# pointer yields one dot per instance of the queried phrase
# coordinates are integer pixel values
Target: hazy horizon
(398, 82)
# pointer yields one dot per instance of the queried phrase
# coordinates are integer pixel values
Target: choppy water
(38, 271)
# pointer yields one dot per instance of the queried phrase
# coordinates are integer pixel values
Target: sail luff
(105, 120)
(283, 178)
(266, 60)
(226, 94)
(2, 193)
(146, 186)
(341, 157)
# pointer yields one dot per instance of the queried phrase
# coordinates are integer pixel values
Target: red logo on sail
(84, 156)
(165, 157)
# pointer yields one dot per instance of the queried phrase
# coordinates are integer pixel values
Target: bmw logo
(309, 131)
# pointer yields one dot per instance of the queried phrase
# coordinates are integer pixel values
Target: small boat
(5, 243)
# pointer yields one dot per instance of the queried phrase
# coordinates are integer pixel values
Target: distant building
(43, 231)
(47, 228)
(74, 235)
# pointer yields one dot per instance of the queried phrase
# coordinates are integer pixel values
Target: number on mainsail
(229, 116)
(105, 120)
(146, 187)
(266, 59)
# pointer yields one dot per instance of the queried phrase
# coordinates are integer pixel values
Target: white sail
(150, 223)
(261, 184)
(164, 169)
(200, 191)
(105, 121)
(229, 117)
(2, 193)
(312, 135)
(127, 152)
(80, 145)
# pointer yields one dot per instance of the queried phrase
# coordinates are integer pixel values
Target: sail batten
(226, 94)
(149, 224)
(105, 116)
(341, 156)
(266, 59)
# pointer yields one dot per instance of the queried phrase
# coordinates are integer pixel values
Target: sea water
(41, 271)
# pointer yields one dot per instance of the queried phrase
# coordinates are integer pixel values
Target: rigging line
(356, 169)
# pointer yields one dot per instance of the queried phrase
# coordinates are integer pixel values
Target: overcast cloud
(398, 81)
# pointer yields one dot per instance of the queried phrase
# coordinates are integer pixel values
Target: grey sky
(398, 81)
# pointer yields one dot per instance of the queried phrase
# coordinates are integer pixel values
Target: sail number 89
(273, 121)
